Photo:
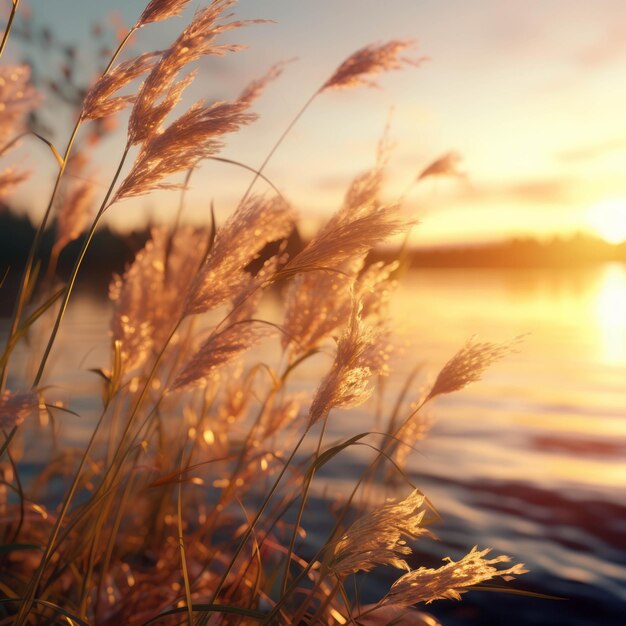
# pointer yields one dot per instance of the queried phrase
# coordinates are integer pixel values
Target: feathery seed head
(17, 99)
(362, 352)
(99, 103)
(449, 581)
(74, 213)
(255, 223)
(196, 40)
(148, 299)
(343, 238)
(218, 350)
(185, 142)
(446, 165)
(378, 538)
(158, 10)
(372, 59)
(9, 179)
(467, 366)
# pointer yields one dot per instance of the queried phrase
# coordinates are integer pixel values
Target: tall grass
(187, 503)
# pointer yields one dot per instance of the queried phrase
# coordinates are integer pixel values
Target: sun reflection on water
(610, 311)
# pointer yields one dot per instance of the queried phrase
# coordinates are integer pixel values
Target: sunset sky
(531, 94)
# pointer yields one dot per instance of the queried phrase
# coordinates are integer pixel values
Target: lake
(531, 460)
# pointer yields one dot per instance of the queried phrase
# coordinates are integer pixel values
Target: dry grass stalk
(379, 537)
(16, 407)
(467, 366)
(372, 59)
(99, 101)
(450, 580)
(223, 275)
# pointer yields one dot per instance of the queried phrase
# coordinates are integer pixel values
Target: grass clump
(187, 502)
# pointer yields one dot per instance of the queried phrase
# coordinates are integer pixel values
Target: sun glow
(608, 219)
(610, 307)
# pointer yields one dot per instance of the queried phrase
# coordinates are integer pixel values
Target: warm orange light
(608, 219)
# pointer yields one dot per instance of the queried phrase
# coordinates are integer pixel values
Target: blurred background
(523, 235)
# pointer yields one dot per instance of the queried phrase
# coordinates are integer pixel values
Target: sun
(607, 218)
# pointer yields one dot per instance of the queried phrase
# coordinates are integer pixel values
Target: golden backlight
(608, 219)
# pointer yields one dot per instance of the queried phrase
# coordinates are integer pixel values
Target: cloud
(592, 151)
(531, 191)
(609, 47)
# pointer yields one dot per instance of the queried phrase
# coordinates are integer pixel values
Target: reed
(189, 502)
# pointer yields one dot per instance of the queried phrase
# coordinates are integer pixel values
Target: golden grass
(178, 507)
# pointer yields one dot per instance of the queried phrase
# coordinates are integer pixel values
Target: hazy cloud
(592, 151)
(610, 46)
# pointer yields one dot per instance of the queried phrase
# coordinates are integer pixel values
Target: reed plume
(17, 99)
(446, 165)
(16, 407)
(319, 303)
(467, 366)
(342, 239)
(362, 352)
(372, 59)
(73, 216)
(99, 101)
(9, 179)
(158, 95)
(223, 275)
(147, 299)
(217, 351)
(185, 142)
(450, 580)
(379, 537)
(158, 10)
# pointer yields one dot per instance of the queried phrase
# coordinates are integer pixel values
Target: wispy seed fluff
(100, 102)
(372, 59)
(17, 99)
(158, 10)
(448, 581)
(16, 407)
(73, 215)
(362, 352)
(446, 165)
(379, 538)
(255, 223)
(9, 179)
(467, 366)
(218, 350)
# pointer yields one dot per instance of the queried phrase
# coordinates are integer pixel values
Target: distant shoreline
(111, 251)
